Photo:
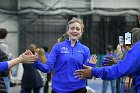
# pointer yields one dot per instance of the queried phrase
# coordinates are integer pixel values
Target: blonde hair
(78, 20)
(62, 36)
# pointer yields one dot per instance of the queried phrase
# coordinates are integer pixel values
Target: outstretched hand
(27, 57)
(83, 73)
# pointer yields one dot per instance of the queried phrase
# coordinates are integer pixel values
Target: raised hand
(119, 48)
(93, 59)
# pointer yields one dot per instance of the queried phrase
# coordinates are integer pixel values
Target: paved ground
(94, 84)
(97, 85)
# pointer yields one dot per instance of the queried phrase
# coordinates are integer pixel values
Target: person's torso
(69, 60)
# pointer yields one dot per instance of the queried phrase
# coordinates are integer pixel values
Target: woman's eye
(77, 29)
(72, 28)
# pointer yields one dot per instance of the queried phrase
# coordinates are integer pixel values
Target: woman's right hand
(27, 57)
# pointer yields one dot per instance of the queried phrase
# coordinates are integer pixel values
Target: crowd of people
(71, 64)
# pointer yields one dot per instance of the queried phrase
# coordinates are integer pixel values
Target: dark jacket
(2, 86)
(31, 77)
(3, 57)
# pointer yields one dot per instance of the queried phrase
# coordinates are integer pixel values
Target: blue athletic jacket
(129, 66)
(63, 60)
(3, 66)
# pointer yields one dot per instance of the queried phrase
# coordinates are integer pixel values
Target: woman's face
(74, 31)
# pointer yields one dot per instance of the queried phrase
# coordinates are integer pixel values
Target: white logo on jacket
(80, 51)
(64, 50)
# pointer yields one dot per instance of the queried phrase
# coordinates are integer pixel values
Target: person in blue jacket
(66, 57)
(27, 57)
(104, 62)
(130, 65)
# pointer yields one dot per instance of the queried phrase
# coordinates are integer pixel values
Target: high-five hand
(93, 59)
(27, 57)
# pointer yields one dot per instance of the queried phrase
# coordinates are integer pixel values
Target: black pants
(81, 90)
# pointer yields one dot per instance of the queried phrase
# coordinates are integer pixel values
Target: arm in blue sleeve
(87, 58)
(3, 66)
(48, 66)
(42, 67)
(130, 65)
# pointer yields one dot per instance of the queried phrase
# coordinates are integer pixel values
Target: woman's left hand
(93, 59)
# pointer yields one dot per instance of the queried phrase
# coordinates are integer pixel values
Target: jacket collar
(69, 42)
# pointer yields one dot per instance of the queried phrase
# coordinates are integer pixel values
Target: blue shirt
(63, 60)
(3, 66)
(130, 65)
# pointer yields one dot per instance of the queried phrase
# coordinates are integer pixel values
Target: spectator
(4, 48)
(31, 79)
(104, 62)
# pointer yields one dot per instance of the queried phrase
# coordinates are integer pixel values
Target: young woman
(66, 57)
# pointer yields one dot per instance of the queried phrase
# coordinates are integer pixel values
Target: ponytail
(63, 36)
